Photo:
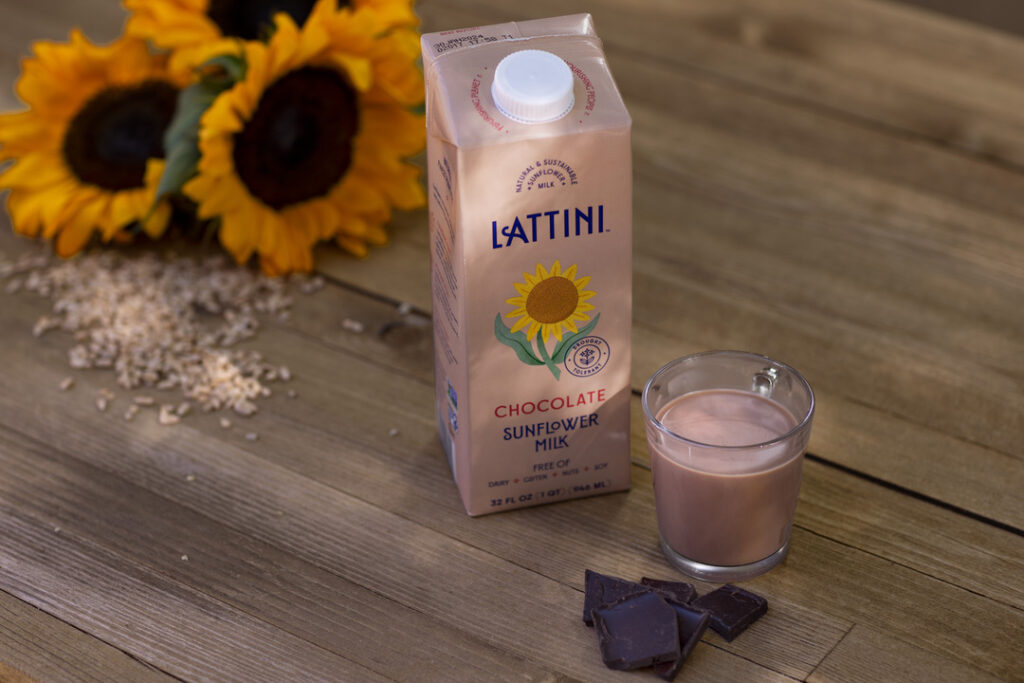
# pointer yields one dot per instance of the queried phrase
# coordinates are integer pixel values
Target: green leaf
(181, 139)
(193, 102)
(181, 165)
(559, 354)
(234, 66)
(517, 341)
(555, 370)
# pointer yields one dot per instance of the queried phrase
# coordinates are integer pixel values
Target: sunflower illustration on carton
(550, 304)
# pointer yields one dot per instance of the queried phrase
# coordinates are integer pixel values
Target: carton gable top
(459, 69)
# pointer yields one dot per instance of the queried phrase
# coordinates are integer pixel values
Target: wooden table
(835, 183)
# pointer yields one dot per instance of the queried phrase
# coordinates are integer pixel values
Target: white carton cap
(533, 86)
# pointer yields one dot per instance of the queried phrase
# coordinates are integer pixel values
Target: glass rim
(800, 425)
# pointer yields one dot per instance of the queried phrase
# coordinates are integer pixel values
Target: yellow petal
(354, 246)
(359, 71)
(78, 228)
(520, 324)
(156, 224)
(238, 237)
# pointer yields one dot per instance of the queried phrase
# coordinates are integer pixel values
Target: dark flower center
(298, 144)
(110, 139)
(251, 19)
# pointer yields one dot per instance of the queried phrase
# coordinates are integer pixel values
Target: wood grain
(171, 625)
(423, 569)
(866, 655)
(906, 72)
(833, 183)
(35, 646)
(88, 505)
(405, 475)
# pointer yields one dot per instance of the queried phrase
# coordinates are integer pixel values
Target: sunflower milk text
(554, 224)
(554, 434)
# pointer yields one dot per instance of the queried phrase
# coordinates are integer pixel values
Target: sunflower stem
(555, 370)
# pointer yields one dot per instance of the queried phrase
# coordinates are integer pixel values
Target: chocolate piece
(603, 591)
(691, 623)
(638, 631)
(678, 592)
(732, 609)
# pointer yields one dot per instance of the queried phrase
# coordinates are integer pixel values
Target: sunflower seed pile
(164, 322)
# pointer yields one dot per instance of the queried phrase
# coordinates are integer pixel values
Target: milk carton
(530, 188)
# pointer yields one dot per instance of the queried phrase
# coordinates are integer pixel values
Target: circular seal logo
(587, 357)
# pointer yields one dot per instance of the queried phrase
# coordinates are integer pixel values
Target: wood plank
(866, 655)
(939, 543)
(406, 475)
(1002, 15)
(495, 599)
(898, 69)
(98, 508)
(416, 351)
(412, 356)
(37, 646)
(12, 675)
(170, 625)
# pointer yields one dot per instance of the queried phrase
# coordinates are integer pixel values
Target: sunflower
(88, 149)
(550, 302)
(309, 145)
(195, 30)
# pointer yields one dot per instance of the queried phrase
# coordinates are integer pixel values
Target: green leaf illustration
(552, 366)
(559, 354)
(516, 341)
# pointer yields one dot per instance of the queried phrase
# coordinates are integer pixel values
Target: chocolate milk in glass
(530, 188)
(734, 505)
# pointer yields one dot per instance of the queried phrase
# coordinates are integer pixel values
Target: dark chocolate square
(603, 590)
(732, 609)
(678, 592)
(691, 623)
(638, 631)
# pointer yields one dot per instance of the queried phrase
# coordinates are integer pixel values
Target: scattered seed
(312, 285)
(245, 407)
(56, 529)
(252, 436)
(44, 325)
(183, 409)
(144, 400)
(225, 423)
(393, 432)
(404, 308)
(184, 558)
(131, 412)
(190, 477)
(284, 373)
(167, 416)
(158, 321)
(101, 404)
(78, 357)
(67, 383)
(353, 325)
(292, 393)
(14, 286)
